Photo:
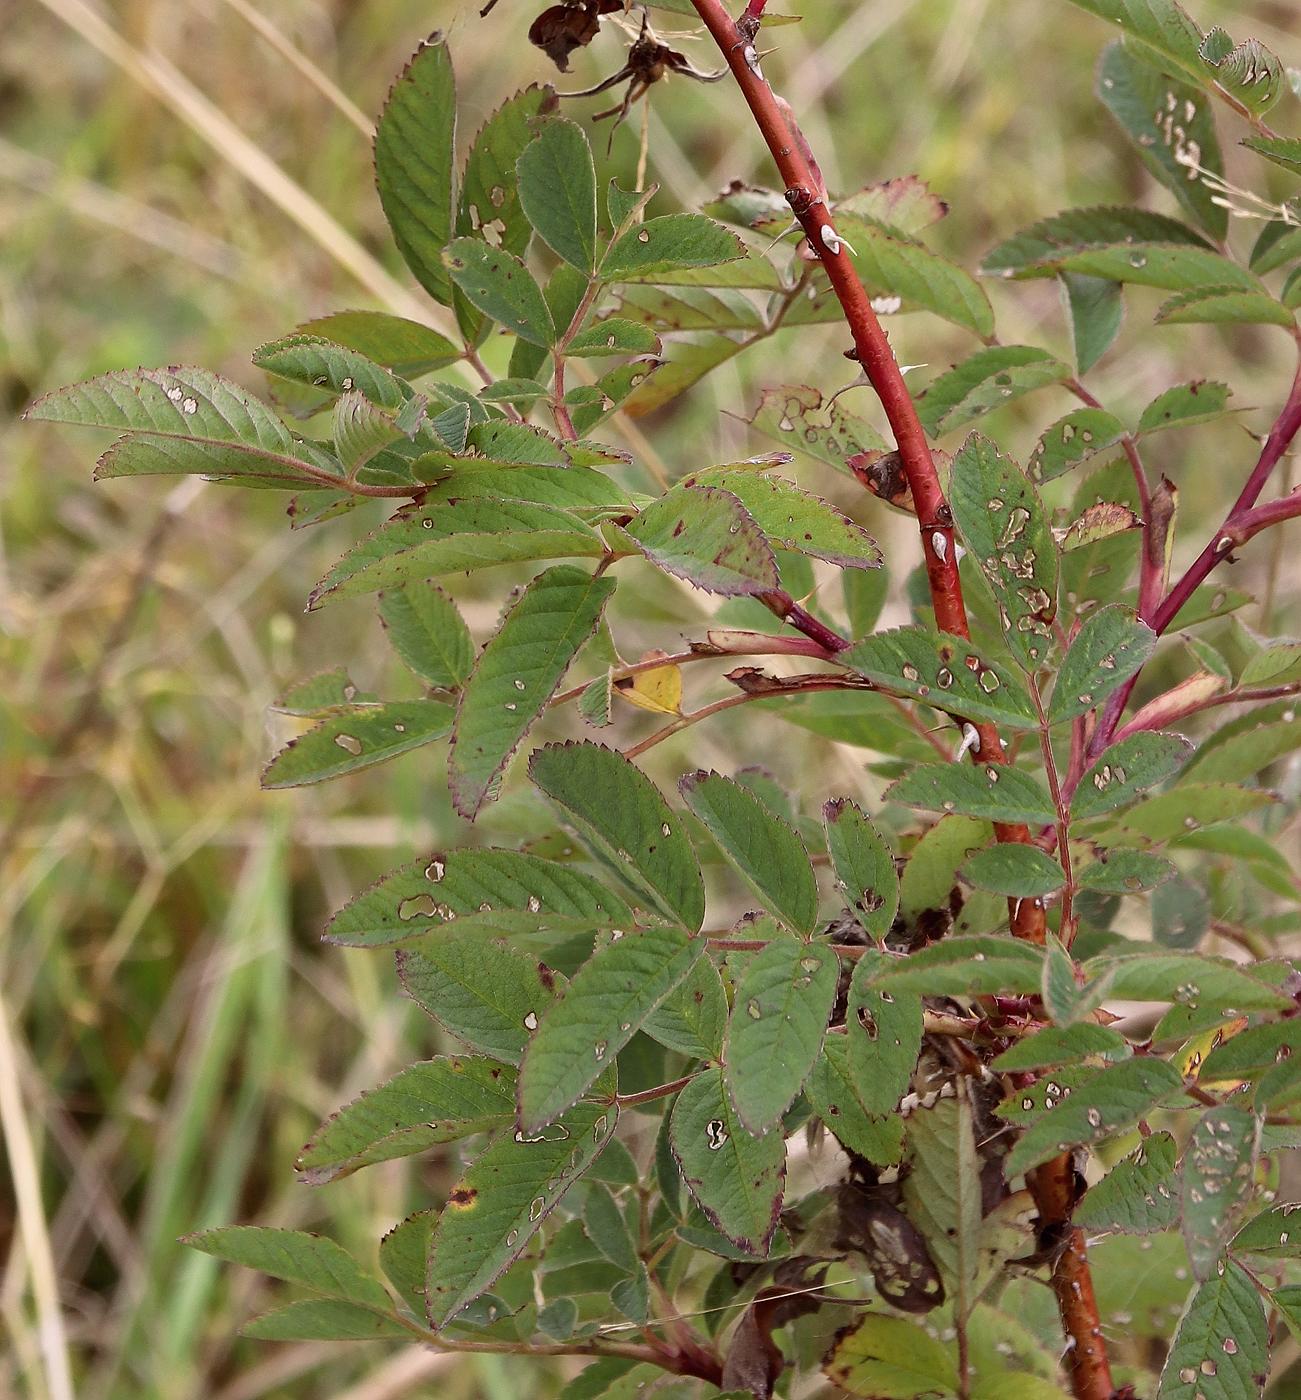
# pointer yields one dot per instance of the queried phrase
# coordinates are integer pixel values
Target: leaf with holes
(415, 163)
(1222, 1340)
(1142, 761)
(1218, 1178)
(332, 368)
(427, 631)
(779, 1018)
(614, 336)
(502, 287)
(985, 381)
(557, 187)
(992, 792)
(604, 1005)
(832, 1090)
(890, 1358)
(1139, 1195)
(1172, 267)
(1185, 405)
(1273, 1234)
(797, 417)
(1186, 979)
(1125, 872)
(736, 1177)
(315, 1262)
(671, 243)
(500, 1202)
(490, 189)
(1079, 437)
(946, 672)
(707, 537)
(1189, 807)
(863, 864)
(1061, 1045)
(763, 849)
(1006, 528)
(1111, 646)
(516, 674)
(967, 966)
(622, 817)
(1020, 872)
(883, 1036)
(435, 1101)
(357, 738)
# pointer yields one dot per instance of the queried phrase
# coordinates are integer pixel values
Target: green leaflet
(1042, 249)
(562, 488)
(1246, 753)
(1111, 646)
(832, 1091)
(735, 1176)
(438, 1100)
(864, 865)
(402, 1257)
(324, 1320)
(1282, 150)
(414, 163)
(796, 417)
(671, 243)
(1188, 807)
(796, 519)
(406, 347)
(1176, 268)
(1105, 1105)
(992, 792)
(326, 691)
(945, 672)
(651, 384)
(614, 336)
(360, 431)
(474, 888)
(1186, 979)
(1096, 308)
(500, 1202)
(779, 1018)
(502, 287)
(931, 871)
(490, 193)
(692, 1019)
(1021, 872)
(1060, 1045)
(1218, 1179)
(1079, 437)
(449, 538)
(138, 454)
(985, 381)
(427, 631)
(1128, 768)
(1162, 26)
(707, 537)
(602, 1008)
(761, 847)
(622, 817)
(1249, 72)
(883, 1035)
(1139, 1195)
(1184, 405)
(311, 1260)
(1124, 872)
(516, 674)
(557, 188)
(1225, 306)
(1272, 1234)
(1252, 1051)
(332, 368)
(357, 738)
(885, 1356)
(1222, 1334)
(1006, 528)
(967, 966)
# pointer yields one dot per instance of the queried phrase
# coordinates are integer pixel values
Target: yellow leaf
(1197, 1049)
(658, 690)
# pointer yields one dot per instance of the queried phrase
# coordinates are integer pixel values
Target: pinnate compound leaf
(1104, 1105)
(415, 163)
(707, 537)
(993, 792)
(604, 1005)
(517, 673)
(779, 1018)
(622, 817)
(435, 1101)
(447, 538)
(735, 1176)
(945, 672)
(1006, 528)
(985, 381)
(764, 850)
(357, 738)
(502, 287)
(1111, 646)
(891, 1358)
(1282, 150)
(1185, 405)
(671, 243)
(965, 966)
(405, 347)
(832, 1091)
(324, 1320)
(1125, 872)
(883, 1036)
(1128, 768)
(1061, 1045)
(315, 1262)
(557, 187)
(1225, 306)
(1222, 1341)
(500, 1202)
(1020, 872)
(1218, 1178)
(428, 633)
(797, 520)
(863, 864)
(1139, 1195)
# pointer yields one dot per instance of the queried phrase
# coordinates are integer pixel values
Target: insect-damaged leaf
(356, 738)
(333, 368)
(435, 1101)
(863, 864)
(883, 1033)
(885, 1357)
(833, 1091)
(945, 672)
(1129, 768)
(500, 1202)
(517, 673)
(707, 537)
(311, 1260)
(502, 287)
(796, 417)
(1078, 437)
(1006, 528)
(1111, 646)
(557, 187)
(1060, 1045)
(669, 244)
(779, 1017)
(763, 849)
(1222, 1340)
(428, 633)
(622, 817)
(1139, 1195)
(414, 163)
(993, 792)
(1185, 405)
(1018, 871)
(603, 1006)
(985, 381)
(735, 1176)
(1125, 872)
(1272, 1234)
(1218, 1170)
(1186, 978)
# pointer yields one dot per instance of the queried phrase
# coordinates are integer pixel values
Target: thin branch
(686, 721)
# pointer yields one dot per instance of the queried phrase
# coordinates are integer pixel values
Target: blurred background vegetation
(181, 180)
